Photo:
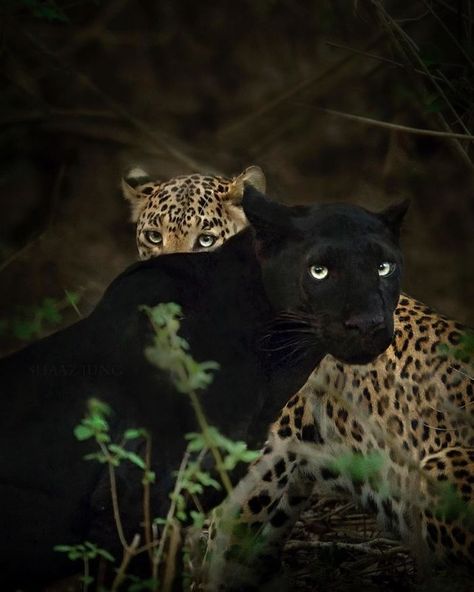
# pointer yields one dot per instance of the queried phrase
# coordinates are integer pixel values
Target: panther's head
(187, 213)
(333, 270)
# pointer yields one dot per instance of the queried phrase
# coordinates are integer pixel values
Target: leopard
(187, 213)
(412, 406)
(411, 410)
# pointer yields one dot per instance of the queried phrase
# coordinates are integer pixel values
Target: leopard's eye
(206, 240)
(386, 268)
(153, 236)
(319, 272)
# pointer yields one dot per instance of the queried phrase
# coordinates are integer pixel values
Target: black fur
(48, 494)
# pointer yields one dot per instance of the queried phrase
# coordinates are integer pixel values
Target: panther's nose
(365, 323)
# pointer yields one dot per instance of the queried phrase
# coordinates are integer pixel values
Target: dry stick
(399, 47)
(170, 568)
(301, 86)
(39, 116)
(450, 35)
(128, 554)
(202, 421)
(457, 12)
(396, 126)
(361, 547)
(85, 581)
(170, 514)
(382, 59)
(146, 499)
(260, 146)
(114, 494)
(102, 133)
(97, 26)
(389, 21)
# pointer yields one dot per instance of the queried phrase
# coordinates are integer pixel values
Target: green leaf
(96, 456)
(62, 548)
(133, 433)
(136, 460)
(97, 407)
(105, 554)
(49, 311)
(149, 477)
(198, 519)
(82, 432)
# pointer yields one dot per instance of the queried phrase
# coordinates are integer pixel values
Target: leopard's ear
(134, 183)
(393, 215)
(252, 176)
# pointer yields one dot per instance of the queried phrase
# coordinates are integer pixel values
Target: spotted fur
(413, 407)
(187, 213)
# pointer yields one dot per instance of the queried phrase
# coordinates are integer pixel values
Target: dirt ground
(179, 87)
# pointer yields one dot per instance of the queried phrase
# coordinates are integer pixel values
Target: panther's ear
(393, 215)
(272, 221)
(133, 185)
(253, 176)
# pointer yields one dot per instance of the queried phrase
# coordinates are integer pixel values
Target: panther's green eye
(386, 268)
(319, 272)
(153, 236)
(206, 240)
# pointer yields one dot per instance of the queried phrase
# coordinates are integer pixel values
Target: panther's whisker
(296, 340)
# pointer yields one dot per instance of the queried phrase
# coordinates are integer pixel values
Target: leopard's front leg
(253, 524)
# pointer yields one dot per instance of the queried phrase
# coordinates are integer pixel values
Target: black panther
(310, 280)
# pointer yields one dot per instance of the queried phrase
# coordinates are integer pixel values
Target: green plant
(169, 352)
(86, 552)
(32, 321)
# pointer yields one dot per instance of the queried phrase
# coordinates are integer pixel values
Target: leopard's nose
(365, 323)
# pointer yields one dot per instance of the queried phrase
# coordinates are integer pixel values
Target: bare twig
(392, 23)
(382, 59)
(114, 495)
(146, 499)
(291, 92)
(128, 554)
(202, 421)
(396, 126)
(449, 34)
(171, 510)
(366, 547)
(170, 568)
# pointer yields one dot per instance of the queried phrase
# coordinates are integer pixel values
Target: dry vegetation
(89, 88)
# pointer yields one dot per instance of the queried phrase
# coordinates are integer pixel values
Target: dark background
(90, 88)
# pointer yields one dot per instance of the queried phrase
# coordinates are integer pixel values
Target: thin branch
(289, 93)
(172, 508)
(146, 499)
(128, 554)
(389, 21)
(450, 35)
(382, 59)
(367, 548)
(114, 495)
(202, 421)
(395, 126)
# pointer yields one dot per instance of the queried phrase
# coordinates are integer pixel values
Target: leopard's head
(332, 270)
(188, 213)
